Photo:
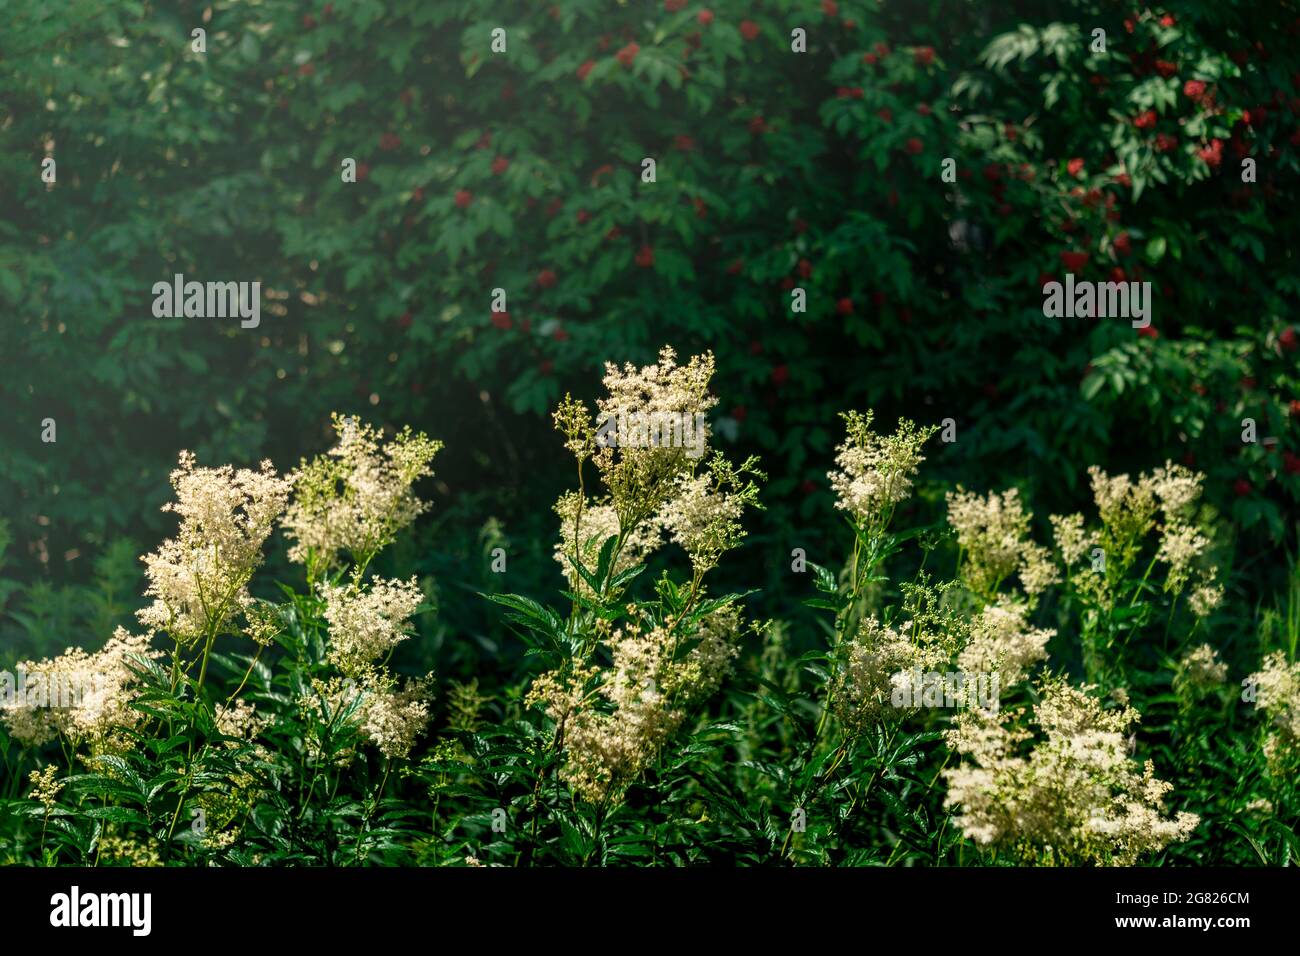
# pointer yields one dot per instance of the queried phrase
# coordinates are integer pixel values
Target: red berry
(1074, 166)
(1149, 332)
(914, 146)
(672, 6)
(405, 320)
(739, 413)
(844, 306)
(463, 197)
(1145, 119)
(500, 165)
(501, 320)
(758, 126)
(830, 7)
(1123, 244)
(924, 109)
(309, 22)
(1074, 261)
(780, 375)
(1287, 339)
(749, 29)
(645, 257)
(627, 55)
(805, 268)
(363, 170)
(306, 69)
(584, 217)
(886, 114)
(546, 278)
(585, 69)
(1167, 20)
(1165, 68)
(1241, 487)
(923, 56)
(1290, 463)
(705, 17)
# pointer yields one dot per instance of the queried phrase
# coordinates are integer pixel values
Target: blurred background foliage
(521, 171)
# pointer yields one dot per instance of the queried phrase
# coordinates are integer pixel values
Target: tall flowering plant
(626, 667)
(184, 743)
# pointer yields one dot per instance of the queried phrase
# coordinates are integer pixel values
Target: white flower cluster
(993, 533)
(1070, 796)
(358, 496)
(365, 624)
(615, 720)
(875, 472)
(104, 683)
(197, 579)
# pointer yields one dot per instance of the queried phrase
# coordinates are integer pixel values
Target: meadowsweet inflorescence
(993, 533)
(612, 720)
(198, 578)
(875, 471)
(615, 720)
(1277, 694)
(46, 786)
(1071, 796)
(102, 684)
(1003, 643)
(1199, 672)
(356, 497)
(365, 624)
